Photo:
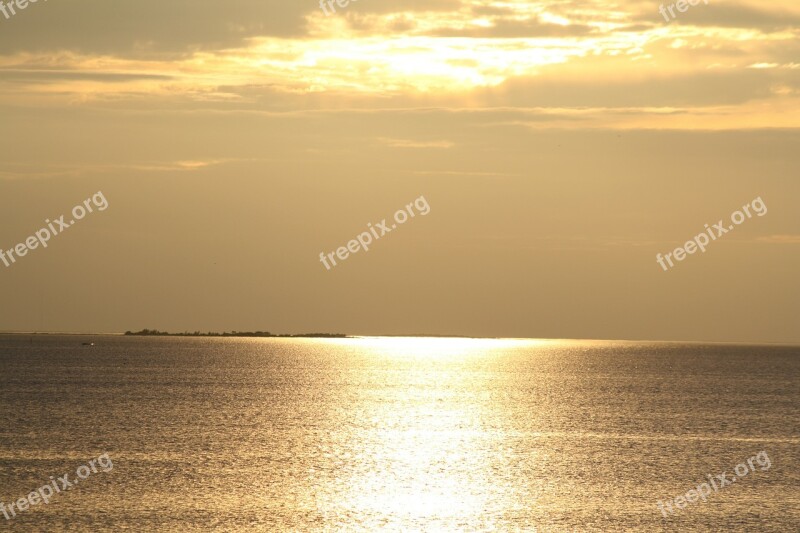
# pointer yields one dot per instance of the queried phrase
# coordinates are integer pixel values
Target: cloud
(150, 27)
(42, 171)
(172, 28)
(464, 173)
(408, 143)
(723, 14)
(43, 75)
(513, 28)
(780, 239)
(699, 88)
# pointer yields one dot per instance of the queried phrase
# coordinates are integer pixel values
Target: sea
(396, 434)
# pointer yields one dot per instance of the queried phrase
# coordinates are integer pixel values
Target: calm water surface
(397, 434)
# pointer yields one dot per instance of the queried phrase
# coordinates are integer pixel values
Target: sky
(559, 146)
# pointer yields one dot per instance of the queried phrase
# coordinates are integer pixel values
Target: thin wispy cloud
(409, 143)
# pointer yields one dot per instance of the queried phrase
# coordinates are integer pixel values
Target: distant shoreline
(267, 334)
(153, 333)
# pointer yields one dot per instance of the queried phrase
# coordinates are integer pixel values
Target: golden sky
(560, 145)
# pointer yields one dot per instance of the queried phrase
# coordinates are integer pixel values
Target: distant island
(156, 333)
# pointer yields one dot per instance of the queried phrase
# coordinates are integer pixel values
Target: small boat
(88, 344)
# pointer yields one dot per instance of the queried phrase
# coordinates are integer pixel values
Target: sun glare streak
(428, 456)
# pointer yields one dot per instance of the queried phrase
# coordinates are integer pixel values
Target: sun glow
(439, 347)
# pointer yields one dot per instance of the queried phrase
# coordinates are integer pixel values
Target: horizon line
(405, 335)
